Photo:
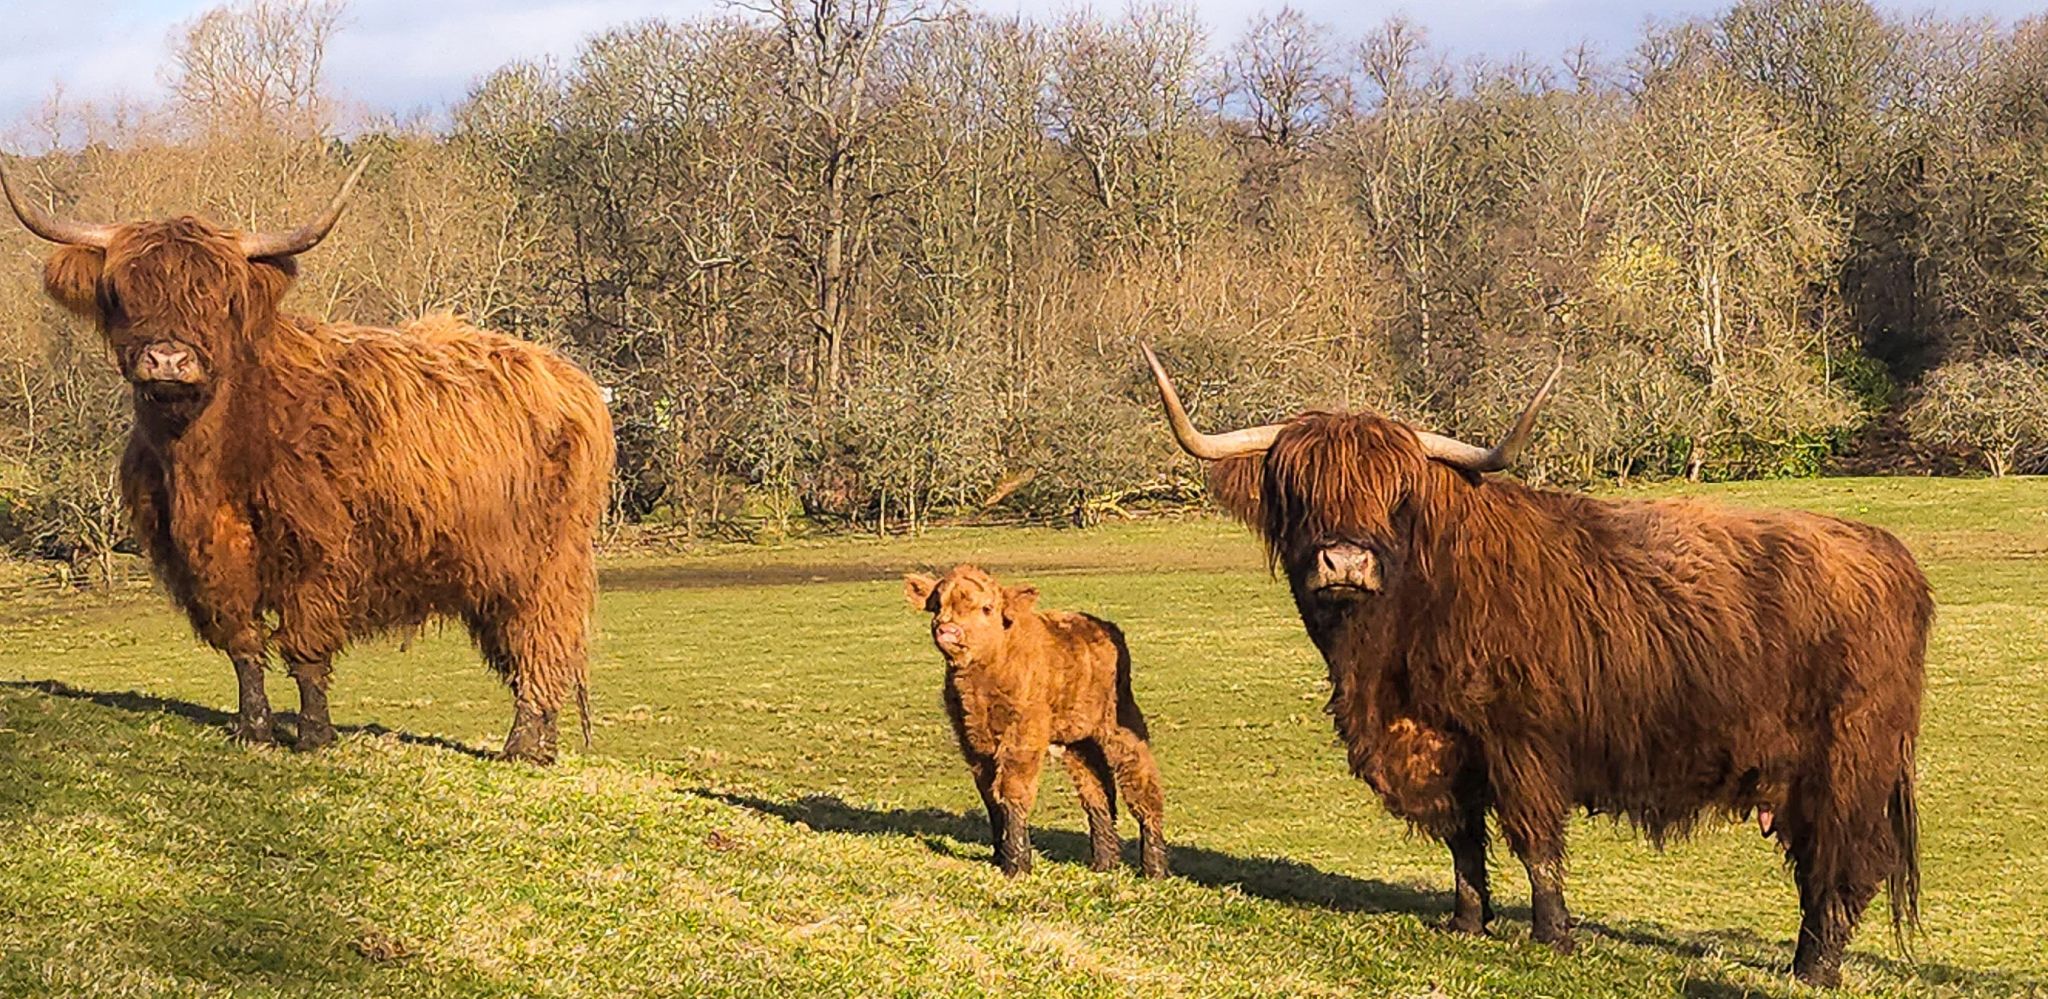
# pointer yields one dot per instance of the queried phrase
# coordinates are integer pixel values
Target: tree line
(871, 262)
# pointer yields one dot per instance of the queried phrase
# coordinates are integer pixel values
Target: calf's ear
(1018, 601)
(72, 279)
(918, 589)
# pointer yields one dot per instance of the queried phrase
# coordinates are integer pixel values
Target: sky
(407, 56)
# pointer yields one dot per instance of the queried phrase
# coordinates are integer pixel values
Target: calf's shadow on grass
(1292, 882)
(141, 703)
(1272, 878)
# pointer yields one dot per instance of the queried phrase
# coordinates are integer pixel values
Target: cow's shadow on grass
(1755, 950)
(1273, 878)
(141, 703)
(1291, 882)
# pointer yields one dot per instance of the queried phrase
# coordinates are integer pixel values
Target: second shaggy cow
(1019, 681)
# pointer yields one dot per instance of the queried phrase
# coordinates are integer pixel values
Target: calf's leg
(1095, 782)
(1137, 775)
(984, 770)
(1017, 768)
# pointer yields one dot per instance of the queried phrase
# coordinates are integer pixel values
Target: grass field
(773, 804)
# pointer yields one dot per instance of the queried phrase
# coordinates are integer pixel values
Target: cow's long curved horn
(1454, 452)
(1208, 447)
(96, 234)
(305, 237)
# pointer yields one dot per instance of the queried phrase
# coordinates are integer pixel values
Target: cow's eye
(988, 609)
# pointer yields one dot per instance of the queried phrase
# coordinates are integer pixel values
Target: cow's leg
(1017, 766)
(1474, 906)
(1095, 782)
(252, 713)
(1535, 832)
(1838, 866)
(220, 603)
(536, 733)
(316, 729)
(540, 649)
(1137, 775)
(309, 635)
(235, 634)
(1828, 914)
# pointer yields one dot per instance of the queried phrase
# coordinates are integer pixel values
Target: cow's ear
(1017, 602)
(1238, 485)
(269, 279)
(72, 279)
(918, 590)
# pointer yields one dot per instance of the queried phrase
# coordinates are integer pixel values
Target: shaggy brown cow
(1494, 646)
(341, 480)
(1019, 680)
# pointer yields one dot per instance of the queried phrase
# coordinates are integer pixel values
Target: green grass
(774, 806)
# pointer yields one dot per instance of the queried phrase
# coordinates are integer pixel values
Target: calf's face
(972, 614)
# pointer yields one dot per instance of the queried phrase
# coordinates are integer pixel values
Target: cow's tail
(583, 710)
(1905, 878)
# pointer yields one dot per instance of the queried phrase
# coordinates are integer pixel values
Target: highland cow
(1019, 681)
(1493, 646)
(298, 484)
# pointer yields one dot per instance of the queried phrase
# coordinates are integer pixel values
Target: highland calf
(1021, 680)
(1497, 647)
(297, 484)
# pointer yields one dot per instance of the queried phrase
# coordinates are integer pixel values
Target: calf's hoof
(1152, 863)
(1014, 868)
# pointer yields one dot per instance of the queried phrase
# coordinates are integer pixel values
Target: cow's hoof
(1014, 868)
(1463, 926)
(312, 737)
(538, 755)
(253, 733)
(1560, 941)
(1819, 978)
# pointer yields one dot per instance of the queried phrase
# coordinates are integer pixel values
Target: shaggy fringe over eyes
(1327, 475)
